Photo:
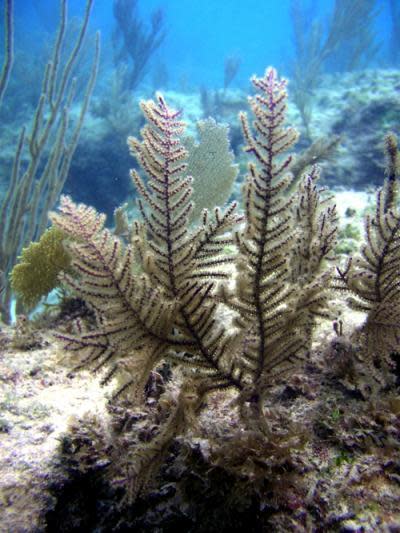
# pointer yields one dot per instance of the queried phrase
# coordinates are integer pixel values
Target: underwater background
(207, 50)
(200, 35)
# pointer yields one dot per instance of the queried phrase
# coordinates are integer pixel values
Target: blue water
(199, 37)
(201, 34)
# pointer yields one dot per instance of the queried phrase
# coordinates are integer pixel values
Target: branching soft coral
(372, 276)
(165, 296)
(167, 311)
(171, 309)
(282, 279)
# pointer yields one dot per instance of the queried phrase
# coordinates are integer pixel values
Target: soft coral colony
(168, 293)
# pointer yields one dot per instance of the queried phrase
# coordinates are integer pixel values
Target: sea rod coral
(242, 321)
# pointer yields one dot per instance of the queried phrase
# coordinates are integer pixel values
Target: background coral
(34, 186)
(39, 266)
(134, 45)
(211, 163)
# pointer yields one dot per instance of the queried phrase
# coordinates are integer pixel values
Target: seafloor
(332, 463)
